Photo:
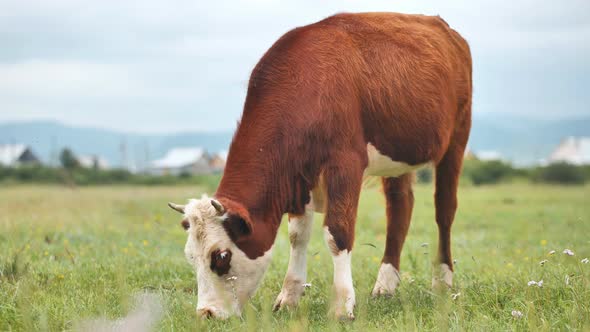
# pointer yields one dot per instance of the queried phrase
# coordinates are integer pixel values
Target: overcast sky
(149, 66)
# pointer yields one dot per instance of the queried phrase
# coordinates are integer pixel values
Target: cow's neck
(260, 176)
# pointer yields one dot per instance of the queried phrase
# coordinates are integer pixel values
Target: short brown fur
(324, 91)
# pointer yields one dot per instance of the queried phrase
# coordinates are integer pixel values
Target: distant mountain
(519, 139)
(47, 139)
(523, 140)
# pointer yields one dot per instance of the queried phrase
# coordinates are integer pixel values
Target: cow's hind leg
(445, 197)
(299, 234)
(343, 186)
(400, 201)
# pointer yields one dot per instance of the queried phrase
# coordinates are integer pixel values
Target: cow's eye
(220, 261)
(185, 224)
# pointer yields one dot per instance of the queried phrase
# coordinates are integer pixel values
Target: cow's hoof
(387, 281)
(442, 280)
(289, 296)
(286, 299)
(345, 316)
(382, 292)
(343, 308)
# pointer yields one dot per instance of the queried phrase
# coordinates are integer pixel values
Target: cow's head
(226, 276)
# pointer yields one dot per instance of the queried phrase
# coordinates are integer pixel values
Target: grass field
(70, 255)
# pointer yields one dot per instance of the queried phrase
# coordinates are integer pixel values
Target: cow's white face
(226, 277)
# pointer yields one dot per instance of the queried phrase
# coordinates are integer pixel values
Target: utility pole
(146, 164)
(123, 150)
(53, 154)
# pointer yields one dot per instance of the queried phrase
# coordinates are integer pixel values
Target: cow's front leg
(343, 186)
(299, 234)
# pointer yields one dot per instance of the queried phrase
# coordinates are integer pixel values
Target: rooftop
(10, 153)
(574, 150)
(179, 157)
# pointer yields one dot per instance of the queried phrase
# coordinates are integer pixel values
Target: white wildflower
(568, 252)
(232, 278)
(307, 285)
(552, 252)
(585, 261)
(543, 262)
(455, 296)
(516, 314)
(535, 283)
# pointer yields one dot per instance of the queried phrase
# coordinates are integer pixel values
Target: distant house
(93, 161)
(181, 161)
(488, 155)
(572, 150)
(12, 155)
(217, 161)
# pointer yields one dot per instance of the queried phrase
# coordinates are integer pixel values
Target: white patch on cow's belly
(381, 165)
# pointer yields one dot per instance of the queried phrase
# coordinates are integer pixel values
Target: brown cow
(329, 103)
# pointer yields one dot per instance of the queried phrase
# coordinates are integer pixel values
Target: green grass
(68, 255)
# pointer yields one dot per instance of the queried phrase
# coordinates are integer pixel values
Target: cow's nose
(206, 313)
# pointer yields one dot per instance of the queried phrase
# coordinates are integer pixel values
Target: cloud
(182, 65)
(56, 80)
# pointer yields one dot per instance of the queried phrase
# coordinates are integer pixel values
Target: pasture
(67, 255)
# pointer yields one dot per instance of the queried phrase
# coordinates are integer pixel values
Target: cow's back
(414, 81)
(398, 82)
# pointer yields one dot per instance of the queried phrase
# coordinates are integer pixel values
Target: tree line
(478, 172)
(475, 172)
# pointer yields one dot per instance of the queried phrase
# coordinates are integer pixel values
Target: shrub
(487, 172)
(586, 170)
(425, 175)
(562, 173)
(68, 159)
(91, 176)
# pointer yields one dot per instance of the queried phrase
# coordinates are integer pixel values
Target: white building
(180, 161)
(12, 155)
(217, 161)
(93, 162)
(488, 155)
(572, 150)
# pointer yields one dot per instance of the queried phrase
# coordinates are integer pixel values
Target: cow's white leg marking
(444, 276)
(344, 297)
(299, 234)
(387, 280)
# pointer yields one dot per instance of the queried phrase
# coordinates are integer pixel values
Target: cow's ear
(237, 226)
